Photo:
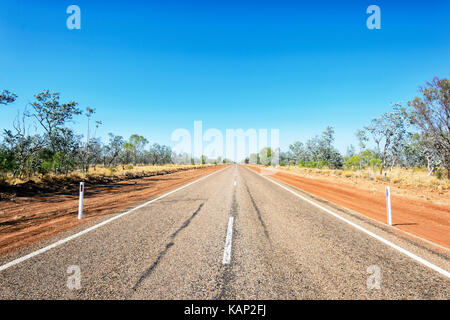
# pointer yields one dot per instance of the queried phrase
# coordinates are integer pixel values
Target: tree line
(58, 149)
(415, 135)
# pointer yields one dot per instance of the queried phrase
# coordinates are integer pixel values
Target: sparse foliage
(431, 115)
(7, 97)
(56, 148)
(386, 142)
(389, 133)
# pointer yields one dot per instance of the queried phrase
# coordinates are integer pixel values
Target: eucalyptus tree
(52, 115)
(296, 152)
(112, 149)
(90, 150)
(389, 131)
(23, 148)
(419, 154)
(362, 137)
(431, 115)
(135, 147)
(265, 156)
(63, 161)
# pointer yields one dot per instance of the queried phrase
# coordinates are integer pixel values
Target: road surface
(232, 235)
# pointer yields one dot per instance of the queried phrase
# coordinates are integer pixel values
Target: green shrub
(112, 169)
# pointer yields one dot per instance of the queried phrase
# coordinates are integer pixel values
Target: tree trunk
(430, 167)
(381, 167)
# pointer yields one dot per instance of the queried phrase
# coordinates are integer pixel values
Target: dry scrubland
(34, 211)
(415, 177)
(423, 211)
(413, 184)
(107, 174)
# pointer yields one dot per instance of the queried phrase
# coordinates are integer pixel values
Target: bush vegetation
(55, 149)
(407, 137)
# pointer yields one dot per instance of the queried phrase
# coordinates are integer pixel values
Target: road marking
(227, 250)
(62, 241)
(373, 235)
(235, 183)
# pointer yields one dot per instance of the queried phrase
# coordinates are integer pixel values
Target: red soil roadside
(29, 219)
(423, 219)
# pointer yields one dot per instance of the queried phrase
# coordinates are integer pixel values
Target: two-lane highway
(231, 235)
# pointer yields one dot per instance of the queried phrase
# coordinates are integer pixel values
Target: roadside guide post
(80, 206)
(388, 206)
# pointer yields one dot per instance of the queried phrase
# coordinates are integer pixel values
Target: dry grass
(416, 177)
(102, 173)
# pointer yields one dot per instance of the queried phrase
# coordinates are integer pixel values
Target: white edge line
(227, 250)
(76, 235)
(373, 235)
(352, 212)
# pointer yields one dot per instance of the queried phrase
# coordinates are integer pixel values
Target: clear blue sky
(152, 67)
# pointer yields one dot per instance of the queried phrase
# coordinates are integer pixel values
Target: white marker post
(80, 206)
(388, 206)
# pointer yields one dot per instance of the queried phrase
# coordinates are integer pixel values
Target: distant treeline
(58, 149)
(416, 135)
(413, 136)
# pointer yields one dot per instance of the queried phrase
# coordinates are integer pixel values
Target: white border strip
(373, 235)
(227, 250)
(377, 221)
(62, 241)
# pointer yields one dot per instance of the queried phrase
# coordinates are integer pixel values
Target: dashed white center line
(227, 251)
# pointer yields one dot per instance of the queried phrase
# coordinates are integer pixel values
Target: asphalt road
(184, 246)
